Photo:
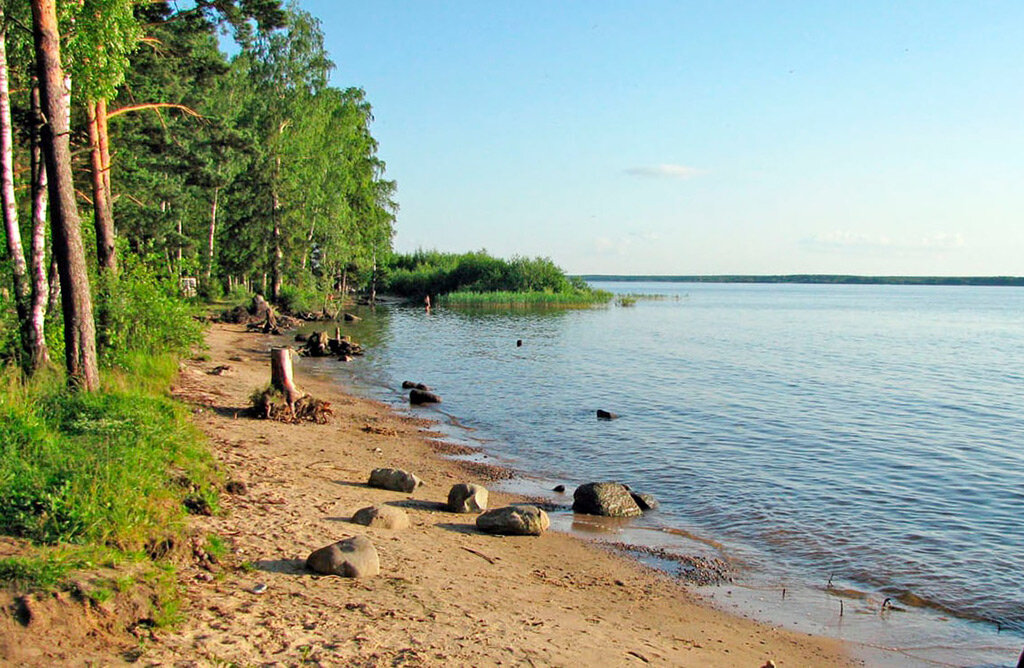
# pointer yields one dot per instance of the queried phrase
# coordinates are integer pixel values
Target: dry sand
(447, 594)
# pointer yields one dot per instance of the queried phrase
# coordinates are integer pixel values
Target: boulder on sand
(467, 498)
(396, 480)
(351, 558)
(514, 521)
(382, 517)
(610, 499)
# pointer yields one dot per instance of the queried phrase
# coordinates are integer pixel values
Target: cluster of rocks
(357, 557)
(259, 316)
(420, 394)
(319, 344)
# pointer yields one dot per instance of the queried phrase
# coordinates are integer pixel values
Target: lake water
(867, 436)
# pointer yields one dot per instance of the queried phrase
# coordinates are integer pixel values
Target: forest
(141, 162)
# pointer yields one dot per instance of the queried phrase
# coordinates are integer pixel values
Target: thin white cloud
(842, 240)
(665, 172)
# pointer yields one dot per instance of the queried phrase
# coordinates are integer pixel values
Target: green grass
(109, 468)
(526, 299)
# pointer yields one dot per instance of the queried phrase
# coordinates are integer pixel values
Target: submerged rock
(409, 385)
(351, 558)
(514, 521)
(467, 498)
(394, 479)
(610, 499)
(606, 415)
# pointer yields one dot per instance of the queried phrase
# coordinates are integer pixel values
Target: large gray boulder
(514, 521)
(382, 517)
(467, 498)
(394, 479)
(351, 558)
(610, 499)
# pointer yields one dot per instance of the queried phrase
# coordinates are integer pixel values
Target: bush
(433, 273)
(144, 313)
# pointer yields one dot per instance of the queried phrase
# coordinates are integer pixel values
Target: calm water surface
(871, 434)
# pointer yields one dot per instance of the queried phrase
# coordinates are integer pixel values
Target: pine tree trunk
(15, 250)
(40, 353)
(102, 218)
(76, 302)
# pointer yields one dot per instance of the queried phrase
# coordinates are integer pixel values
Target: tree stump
(281, 376)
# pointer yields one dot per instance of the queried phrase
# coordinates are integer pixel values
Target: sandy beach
(446, 594)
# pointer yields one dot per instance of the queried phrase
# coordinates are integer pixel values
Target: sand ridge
(447, 594)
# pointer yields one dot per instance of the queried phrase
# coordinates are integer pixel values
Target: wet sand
(447, 594)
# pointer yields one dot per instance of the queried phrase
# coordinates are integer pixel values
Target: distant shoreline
(823, 279)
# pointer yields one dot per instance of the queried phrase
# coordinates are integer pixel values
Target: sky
(873, 138)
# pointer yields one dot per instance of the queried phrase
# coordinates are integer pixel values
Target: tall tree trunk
(277, 253)
(15, 250)
(103, 220)
(104, 135)
(76, 303)
(40, 355)
(309, 243)
(213, 233)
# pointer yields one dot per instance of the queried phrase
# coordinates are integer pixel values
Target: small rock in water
(606, 415)
(519, 343)
(409, 385)
(610, 499)
(351, 558)
(417, 397)
(467, 498)
(559, 488)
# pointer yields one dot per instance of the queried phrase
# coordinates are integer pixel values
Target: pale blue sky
(699, 137)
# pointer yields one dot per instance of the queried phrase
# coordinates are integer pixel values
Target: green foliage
(43, 572)
(537, 280)
(294, 299)
(102, 468)
(525, 299)
(144, 314)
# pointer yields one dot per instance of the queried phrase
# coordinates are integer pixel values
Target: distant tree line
(815, 279)
(245, 171)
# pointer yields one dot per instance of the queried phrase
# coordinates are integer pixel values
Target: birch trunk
(40, 354)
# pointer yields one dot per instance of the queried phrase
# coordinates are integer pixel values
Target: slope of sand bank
(446, 593)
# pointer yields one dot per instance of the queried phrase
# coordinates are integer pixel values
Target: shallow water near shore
(867, 436)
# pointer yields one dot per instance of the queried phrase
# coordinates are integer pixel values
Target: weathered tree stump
(281, 377)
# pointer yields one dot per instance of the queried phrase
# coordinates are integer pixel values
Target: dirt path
(447, 595)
